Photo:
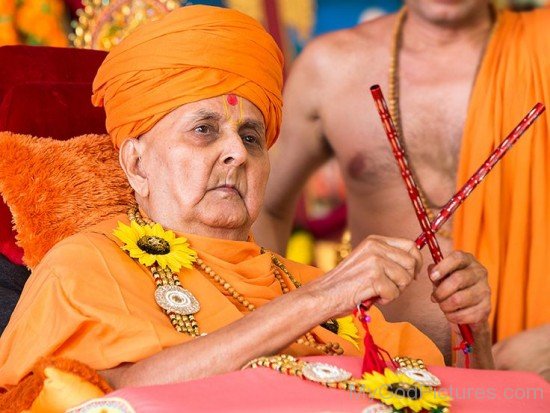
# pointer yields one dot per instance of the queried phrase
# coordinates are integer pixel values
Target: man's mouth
(229, 189)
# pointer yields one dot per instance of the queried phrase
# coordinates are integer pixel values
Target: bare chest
(433, 112)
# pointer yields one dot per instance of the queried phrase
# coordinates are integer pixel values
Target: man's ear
(130, 160)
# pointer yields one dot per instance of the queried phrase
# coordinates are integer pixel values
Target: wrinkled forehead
(231, 108)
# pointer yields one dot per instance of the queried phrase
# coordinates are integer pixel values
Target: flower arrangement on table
(34, 22)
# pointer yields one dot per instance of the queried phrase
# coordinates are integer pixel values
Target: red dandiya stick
(414, 195)
(412, 187)
(458, 198)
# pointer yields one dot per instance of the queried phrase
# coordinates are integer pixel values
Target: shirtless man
(329, 112)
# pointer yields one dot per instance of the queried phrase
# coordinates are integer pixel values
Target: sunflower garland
(400, 392)
(165, 255)
(151, 244)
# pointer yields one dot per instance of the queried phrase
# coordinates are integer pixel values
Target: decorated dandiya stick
(458, 198)
(414, 195)
(412, 187)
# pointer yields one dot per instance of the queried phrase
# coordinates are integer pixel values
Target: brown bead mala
(188, 324)
(308, 339)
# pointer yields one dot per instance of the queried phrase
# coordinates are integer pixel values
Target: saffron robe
(506, 222)
(88, 300)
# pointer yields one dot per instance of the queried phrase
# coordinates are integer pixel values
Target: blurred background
(99, 24)
(52, 22)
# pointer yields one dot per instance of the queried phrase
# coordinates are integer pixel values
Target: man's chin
(450, 13)
(227, 220)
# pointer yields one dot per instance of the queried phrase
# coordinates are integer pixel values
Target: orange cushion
(45, 91)
(63, 390)
(55, 189)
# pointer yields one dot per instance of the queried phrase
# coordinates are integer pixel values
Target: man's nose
(234, 152)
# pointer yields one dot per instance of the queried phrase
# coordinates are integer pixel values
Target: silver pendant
(325, 373)
(420, 376)
(175, 299)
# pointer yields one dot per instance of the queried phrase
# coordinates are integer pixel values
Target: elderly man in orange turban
(177, 289)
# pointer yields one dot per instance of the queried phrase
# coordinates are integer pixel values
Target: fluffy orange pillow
(57, 188)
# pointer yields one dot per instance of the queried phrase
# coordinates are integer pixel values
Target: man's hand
(379, 268)
(462, 291)
(528, 350)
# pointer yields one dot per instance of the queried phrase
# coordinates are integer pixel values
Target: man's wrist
(481, 330)
(317, 299)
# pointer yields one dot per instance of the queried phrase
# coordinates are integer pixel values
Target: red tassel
(467, 349)
(373, 359)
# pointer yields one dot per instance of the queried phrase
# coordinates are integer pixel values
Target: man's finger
(397, 274)
(462, 299)
(401, 246)
(455, 261)
(386, 289)
(458, 280)
(470, 315)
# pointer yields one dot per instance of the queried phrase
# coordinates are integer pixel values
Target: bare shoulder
(325, 51)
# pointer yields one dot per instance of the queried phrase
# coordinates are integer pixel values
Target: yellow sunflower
(400, 391)
(348, 330)
(151, 243)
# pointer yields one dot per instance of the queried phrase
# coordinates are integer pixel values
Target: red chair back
(45, 91)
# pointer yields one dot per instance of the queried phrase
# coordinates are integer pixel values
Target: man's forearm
(265, 331)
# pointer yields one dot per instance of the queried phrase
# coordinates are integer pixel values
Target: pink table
(265, 390)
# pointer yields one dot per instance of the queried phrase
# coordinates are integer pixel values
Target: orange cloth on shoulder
(192, 53)
(106, 314)
(506, 222)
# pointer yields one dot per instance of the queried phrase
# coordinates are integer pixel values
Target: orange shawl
(89, 301)
(505, 223)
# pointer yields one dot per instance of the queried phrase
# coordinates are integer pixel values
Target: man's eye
(202, 129)
(250, 139)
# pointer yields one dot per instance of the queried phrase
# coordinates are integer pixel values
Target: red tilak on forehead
(232, 100)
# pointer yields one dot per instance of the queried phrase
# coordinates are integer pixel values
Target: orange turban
(192, 53)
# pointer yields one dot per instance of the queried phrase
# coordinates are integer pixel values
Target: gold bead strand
(281, 266)
(393, 105)
(181, 323)
(224, 284)
(134, 215)
(329, 348)
(157, 276)
(279, 278)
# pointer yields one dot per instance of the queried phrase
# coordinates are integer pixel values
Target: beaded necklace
(411, 383)
(166, 280)
(393, 106)
(186, 323)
